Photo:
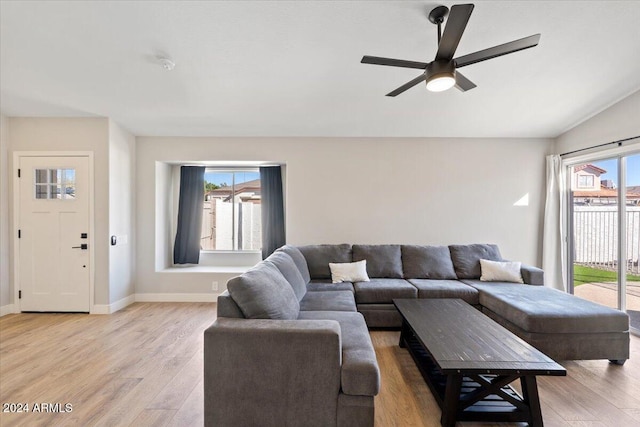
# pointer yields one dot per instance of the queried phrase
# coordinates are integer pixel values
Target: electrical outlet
(214, 285)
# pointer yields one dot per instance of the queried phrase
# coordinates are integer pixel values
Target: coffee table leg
(404, 332)
(451, 399)
(531, 399)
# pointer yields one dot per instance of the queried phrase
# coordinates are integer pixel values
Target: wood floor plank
(192, 411)
(143, 366)
(173, 395)
(153, 418)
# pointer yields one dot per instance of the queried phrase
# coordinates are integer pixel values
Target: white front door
(53, 224)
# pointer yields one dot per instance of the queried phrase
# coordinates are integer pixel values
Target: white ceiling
(292, 68)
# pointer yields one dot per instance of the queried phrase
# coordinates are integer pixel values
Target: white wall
(620, 121)
(364, 190)
(6, 293)
(121, 212)
(75, 134)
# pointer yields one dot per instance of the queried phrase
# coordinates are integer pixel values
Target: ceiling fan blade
(463, 83)
(492, 52)
(408, 85)
(456, 23)
(376, 60)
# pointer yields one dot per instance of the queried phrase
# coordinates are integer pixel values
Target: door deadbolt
(82, 246)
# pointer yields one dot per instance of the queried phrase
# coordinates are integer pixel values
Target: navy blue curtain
(187, 246)
(273, 233)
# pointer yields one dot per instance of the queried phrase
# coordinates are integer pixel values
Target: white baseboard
(177, 297)
(113, 307)
(6, 309)
(120, 304)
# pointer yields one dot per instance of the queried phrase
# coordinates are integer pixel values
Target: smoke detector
(166, 63)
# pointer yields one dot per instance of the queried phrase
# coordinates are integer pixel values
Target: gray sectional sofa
(289, 347)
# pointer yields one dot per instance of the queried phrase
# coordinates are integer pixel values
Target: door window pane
(633, 240)
(595, 231)
(56, 184)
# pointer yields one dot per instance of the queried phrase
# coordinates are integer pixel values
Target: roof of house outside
(605, 192)
(595, 168)
(248, 186)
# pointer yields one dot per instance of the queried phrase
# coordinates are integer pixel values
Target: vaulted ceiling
(292, 68)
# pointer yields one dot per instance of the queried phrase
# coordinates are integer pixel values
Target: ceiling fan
(442, 73)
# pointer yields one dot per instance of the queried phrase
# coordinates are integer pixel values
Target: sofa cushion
(289, 270)
(328, 301)
(360, 375)
(264, 293)
(298, 259)
(427, 262)
(540, 309)
(428, 288)
(382, 260)
(383, 290)
(466, 258)
(319, 256)
(326, 285)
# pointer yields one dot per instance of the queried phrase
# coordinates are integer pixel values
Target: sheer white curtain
(554, 247)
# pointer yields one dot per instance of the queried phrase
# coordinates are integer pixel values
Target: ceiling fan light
(441, 75)
(441, 82)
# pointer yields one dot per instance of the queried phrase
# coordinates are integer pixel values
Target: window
(59, 184)
(232, 219)
(585, 181)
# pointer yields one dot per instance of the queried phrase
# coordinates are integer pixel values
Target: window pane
(69, 176)
(248, 214)
(217, 218)
(41, 176)
(69, 192)
(54, 191)
(41, 191)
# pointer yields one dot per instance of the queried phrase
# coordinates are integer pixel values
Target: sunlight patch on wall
(523, 201)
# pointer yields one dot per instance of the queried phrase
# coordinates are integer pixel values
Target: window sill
(207, 269)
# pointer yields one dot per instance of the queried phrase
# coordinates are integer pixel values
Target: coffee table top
(462, 339)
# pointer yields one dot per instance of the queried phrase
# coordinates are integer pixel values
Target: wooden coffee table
(468, 361)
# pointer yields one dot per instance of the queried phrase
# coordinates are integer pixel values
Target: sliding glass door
(604, 215)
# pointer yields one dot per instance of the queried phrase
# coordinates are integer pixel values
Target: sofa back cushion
(427, 262)
(319, 256)
(287, 267)
(466, 258)
(299, 260)
(382, 260)
(264, 293)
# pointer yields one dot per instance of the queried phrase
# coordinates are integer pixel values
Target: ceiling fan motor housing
(440, 68)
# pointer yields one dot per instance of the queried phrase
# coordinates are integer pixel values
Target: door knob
(82, 246)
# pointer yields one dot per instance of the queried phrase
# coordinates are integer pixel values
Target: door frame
(17, 155)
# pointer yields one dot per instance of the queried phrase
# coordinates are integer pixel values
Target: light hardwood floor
(142, 366)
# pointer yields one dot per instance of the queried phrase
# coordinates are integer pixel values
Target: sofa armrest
(532, 275)
(271, 372)
(227, 307)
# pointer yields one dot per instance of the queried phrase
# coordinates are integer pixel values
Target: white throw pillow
(349, 272)
(500, 271)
